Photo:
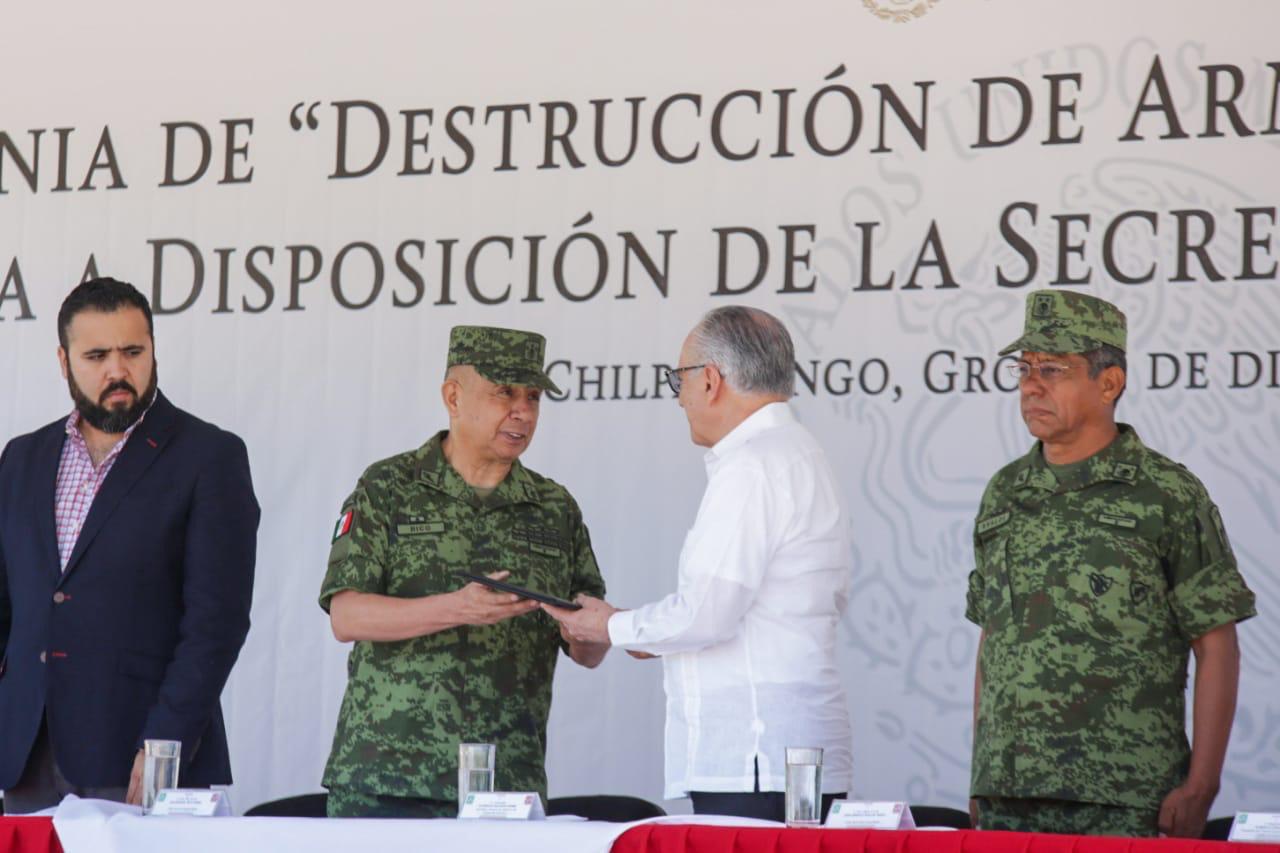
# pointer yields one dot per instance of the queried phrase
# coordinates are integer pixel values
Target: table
(94, 826)
(28, 835)
(97, 826)
(673, 838)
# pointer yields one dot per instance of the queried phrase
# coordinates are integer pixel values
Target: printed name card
(502, 805)
(853, 814)
(1256, 827)
(192, 802)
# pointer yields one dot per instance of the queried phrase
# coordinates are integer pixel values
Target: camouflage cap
(1063, 321)
(504, 356)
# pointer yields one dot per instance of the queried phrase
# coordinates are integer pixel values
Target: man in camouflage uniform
(438, 661)
(1100, 565)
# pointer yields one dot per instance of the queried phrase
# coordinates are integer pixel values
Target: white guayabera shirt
(748, 639)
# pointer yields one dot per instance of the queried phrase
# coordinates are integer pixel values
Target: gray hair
(751, 348)
(1107, 356)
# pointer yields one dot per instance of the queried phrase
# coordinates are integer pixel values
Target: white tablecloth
(98, 826)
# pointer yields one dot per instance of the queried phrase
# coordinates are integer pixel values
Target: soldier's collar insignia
(427, 474)
(1099, 583)
(518, 486)
(431, 462)
(1035, 476)
(1125, 471)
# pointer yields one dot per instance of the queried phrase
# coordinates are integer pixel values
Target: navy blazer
(137, 637)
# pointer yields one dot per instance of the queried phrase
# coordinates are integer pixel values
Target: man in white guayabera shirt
(748, 639)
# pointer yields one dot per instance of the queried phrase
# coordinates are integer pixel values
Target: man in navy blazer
(127, 542)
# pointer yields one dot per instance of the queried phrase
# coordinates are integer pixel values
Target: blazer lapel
(43, 493)
(140, 451)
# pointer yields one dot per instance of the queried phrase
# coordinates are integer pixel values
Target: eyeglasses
(1050, 371)
(673, 378)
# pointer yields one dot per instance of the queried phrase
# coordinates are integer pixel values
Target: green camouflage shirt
(1089, 591)
(411, 522)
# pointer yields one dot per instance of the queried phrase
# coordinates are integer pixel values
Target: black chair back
(304, 805)
(605, 807)
(940, 816)
(1217, 829)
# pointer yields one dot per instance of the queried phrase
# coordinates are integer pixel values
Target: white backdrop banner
(312, 194)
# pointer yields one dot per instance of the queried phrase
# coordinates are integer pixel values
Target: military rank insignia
(1042, 307)
(343, 527)
(539, 540)
(1125, 471)
(1118, 520)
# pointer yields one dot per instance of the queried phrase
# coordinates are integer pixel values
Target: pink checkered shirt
(78, 483)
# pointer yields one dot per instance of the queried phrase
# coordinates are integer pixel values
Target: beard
(112, 419)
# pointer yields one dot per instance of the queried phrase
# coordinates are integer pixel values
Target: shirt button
(42, 657)
(59, 597)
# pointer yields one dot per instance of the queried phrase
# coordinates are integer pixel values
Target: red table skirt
(685, 838)
(28, 835)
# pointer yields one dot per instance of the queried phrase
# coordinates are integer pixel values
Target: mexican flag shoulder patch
(343, 526)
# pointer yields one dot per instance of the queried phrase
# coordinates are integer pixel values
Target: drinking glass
(475, 769)
(804, 786)
(159, 769)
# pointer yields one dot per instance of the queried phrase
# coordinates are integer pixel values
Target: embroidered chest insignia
(1118, 520)
(986, 525)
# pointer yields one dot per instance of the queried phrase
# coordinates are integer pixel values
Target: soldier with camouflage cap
(437, 661)
(1100, 566)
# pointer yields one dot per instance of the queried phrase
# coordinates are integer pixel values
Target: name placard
(1256, 827)
(191, 802)
(502, 805)
(855, 814)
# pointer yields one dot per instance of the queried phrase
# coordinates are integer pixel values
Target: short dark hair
(105, 295)
(1107, 356)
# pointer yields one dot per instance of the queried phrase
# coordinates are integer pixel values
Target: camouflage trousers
(1065, 817)
(350, 802)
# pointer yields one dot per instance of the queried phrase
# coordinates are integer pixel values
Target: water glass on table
(159, 769)
(804, 786)
(475, 769)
